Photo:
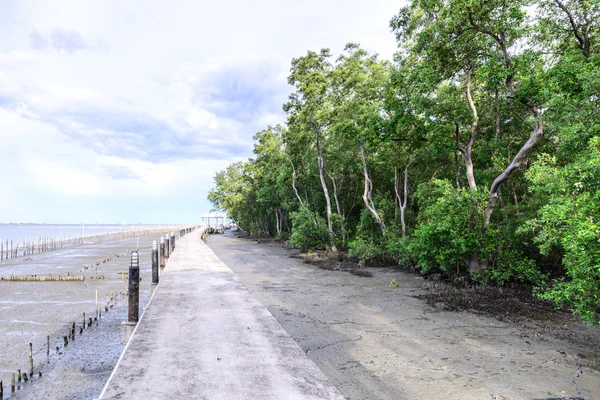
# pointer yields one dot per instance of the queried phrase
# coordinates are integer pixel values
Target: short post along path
(204, 336)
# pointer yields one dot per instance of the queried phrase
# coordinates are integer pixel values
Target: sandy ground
(374, 342)
(31, 311)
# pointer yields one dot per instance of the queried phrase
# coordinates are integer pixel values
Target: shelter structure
(214, 218)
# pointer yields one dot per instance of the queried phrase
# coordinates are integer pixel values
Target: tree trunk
(397, 191)
(326, 194)
(457, 171)
(538, 130)
(277, 221)
(468, 149)
(403, 204)
(267, 225)
(337, 205)
(537, 133)
(474, 263)
(582, 34)
(302, 205)
(368, 192)
(497, 119)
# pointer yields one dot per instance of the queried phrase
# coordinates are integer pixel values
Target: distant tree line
(474, 154)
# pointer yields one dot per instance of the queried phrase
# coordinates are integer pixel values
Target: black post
(167, 246)
(134, 289)
(172, 242)
(154, 263)
(162, 252)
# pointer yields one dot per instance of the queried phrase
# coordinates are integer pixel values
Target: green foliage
(448, 232)
(571, 221)
(451, 115)
(510, 265)
(368, 244)
(310, 231)
(364, 249)
(397, 248)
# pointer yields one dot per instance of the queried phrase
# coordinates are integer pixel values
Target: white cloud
(111, 107)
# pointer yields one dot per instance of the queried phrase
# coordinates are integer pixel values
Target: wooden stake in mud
(19, 375)
(48, 347)
(1, 390)
(96, 300)
(12, 383)
(41, 278)
(83, 320)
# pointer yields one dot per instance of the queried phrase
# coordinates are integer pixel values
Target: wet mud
(374, 340)
(79, 367)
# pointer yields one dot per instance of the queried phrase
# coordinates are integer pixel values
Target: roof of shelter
(213, 214)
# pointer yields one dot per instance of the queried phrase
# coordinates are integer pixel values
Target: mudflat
(377, 342)
(32, 311)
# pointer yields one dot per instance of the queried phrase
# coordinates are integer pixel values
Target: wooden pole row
(10, 248)
(41, 278)
(21, 376)
(168, 247)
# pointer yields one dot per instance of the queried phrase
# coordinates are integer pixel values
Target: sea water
(54, 231)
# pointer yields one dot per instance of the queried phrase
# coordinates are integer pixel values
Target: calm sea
(34, 231)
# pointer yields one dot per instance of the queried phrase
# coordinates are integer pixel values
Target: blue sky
(122, 111)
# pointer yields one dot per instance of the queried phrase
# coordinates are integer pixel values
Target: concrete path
(204, 336)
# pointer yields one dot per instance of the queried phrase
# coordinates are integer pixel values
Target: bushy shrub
(283, 235)
(510, 265)
(367, 244)
(306, 235)
(448, 229)
(449, 232)
(397, 248)
(365, 249)
(570, 221)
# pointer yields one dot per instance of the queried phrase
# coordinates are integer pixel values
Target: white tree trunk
(405, 200)
(326, 194)
(368, 192)
(337, 205)
(537, 133)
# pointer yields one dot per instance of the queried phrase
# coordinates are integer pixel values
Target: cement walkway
(204, 336)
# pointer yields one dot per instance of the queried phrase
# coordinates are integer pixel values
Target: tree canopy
(474, 154)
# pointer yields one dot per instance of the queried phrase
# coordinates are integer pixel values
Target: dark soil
(516, 306)
(362, 272)
(330, 261)
(519, 307)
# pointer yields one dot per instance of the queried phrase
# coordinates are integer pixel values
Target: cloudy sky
(122, 111)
